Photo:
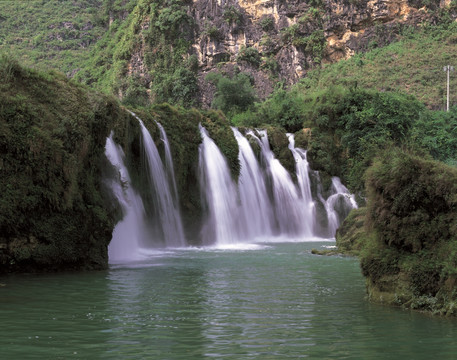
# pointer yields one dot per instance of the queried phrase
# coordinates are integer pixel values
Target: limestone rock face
(291, 37)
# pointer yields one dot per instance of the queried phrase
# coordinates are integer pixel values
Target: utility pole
(448, 68)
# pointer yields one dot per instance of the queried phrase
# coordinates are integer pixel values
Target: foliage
(53, 212)
(411, 200)
(414, 64)
(232, 15)
(232, 95)
(51, 34)
(348, 126)
(167, 74)
(213, 32)
(267, 23)
(271, 64)
(408, 233)
(250, 55)
(436, 132)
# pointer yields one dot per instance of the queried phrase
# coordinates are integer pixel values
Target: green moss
(219, 130)
(351, 235)
(279, 145)
(52, 137)
(409, 233)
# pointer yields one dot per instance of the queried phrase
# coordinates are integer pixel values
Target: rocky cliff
(274, 41)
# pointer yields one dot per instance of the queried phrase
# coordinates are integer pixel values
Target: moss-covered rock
(279, 144)
(409, 244)
(302, 138)
(219, 130)
(351, 235)
(53, 213)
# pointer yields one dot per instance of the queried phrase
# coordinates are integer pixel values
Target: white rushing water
(338, 205)
(304, 184)
(169, 219)
(256, 209)
(169, 163)
(131, 232)
(219, 193)
(291, 213)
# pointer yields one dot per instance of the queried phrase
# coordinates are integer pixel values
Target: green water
(274, 302)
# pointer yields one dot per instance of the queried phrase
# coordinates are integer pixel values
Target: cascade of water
(169, 162)
(131, 232)
(291, 213)
(338, 205)
(220, 192)
(256, 209)
(168, 213)
(304, 184)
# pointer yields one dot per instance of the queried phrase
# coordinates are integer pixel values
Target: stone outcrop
(290, 37)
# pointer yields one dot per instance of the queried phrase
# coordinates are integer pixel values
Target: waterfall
(292, 215)
(169, 163)
(265, 202)
(219, 193)
(338, 205)
(131, 232)
(304, 184)
(256, 209)
(168, 224)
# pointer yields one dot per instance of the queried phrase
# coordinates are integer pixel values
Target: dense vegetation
(413, 64)
(158, 34)
(407, 237)
(348, 126)
(53, 213)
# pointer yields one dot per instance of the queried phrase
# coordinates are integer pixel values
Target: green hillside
(413, 64)
(50, 34)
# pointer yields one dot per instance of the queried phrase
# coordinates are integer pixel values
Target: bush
(250, 55)
(267, 23)
(232, 15)
(233, 95)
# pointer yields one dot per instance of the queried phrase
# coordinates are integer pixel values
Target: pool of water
(271, 301)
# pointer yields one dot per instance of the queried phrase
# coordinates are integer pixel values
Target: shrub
(232, 15)
(267, 23)
(234, 94)
(250, 55)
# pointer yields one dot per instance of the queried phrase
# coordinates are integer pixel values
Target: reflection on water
(273, 302)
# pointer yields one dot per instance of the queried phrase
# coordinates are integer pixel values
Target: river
(267, 301)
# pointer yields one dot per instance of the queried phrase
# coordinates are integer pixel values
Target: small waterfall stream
(291, 213)
(169, 218)
(131, 232)
(219, 191)
(338, 205)
(256, 209)
(304, 184)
